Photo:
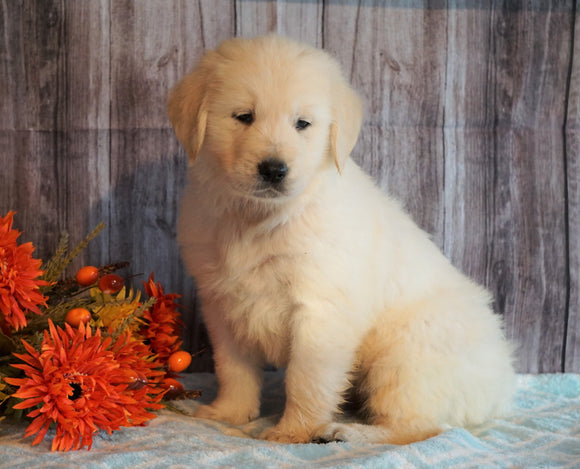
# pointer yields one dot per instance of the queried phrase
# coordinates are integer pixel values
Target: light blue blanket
(542, 431)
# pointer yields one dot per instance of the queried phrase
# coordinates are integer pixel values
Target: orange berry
(87, 275)
(179, 361)
(111, 283)
(135, 380)
(76, 316)
(174, 388)
(172, 384)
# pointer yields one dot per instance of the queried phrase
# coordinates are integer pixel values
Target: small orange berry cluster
(87, 276)
(110, 284)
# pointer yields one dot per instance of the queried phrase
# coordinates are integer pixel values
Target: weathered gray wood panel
(472, 121)
(505, 193)
(300, 20)
(54, 103)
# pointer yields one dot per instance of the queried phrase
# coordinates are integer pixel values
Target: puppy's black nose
(272, 170)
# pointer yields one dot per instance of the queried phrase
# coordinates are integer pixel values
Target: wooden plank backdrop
(472, 120)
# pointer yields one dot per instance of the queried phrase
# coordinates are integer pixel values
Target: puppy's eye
(246, 118)
(301, 124)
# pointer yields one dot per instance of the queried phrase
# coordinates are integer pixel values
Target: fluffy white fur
(321, 274)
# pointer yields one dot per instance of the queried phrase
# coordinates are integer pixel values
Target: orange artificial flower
(19, 283)
(162, 329)
(80, 382)
(142, 378)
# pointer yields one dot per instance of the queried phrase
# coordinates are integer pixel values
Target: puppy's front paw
(353, 432)
(334, 432)
(226, 413)
(286, 435)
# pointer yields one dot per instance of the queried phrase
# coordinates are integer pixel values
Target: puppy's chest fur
(253, 276)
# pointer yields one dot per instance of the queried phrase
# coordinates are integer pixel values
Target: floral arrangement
(84, 354)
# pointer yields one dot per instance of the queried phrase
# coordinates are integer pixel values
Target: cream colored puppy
(302, 263)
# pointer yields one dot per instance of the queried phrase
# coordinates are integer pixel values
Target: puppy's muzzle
(271, 176)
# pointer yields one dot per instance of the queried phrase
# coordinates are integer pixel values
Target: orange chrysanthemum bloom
(19, 283)
(162, 327)
(79, 381)
(142, 377)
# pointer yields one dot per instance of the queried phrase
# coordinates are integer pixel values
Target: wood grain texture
(472, 122)
(54, 104)
(153, 45)
(572, 138)
(32, 39)
(300, 20)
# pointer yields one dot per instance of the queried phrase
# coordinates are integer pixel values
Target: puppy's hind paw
(282, 435)
(206, 412)
(320, 440)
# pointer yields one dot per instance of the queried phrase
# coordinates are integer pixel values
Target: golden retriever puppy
(301, 261)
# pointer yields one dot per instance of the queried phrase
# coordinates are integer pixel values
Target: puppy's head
(267, 114)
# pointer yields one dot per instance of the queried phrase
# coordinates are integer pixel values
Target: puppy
(301, 262)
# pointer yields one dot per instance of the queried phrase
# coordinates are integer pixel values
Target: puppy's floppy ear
(346, 123)
(187, 107)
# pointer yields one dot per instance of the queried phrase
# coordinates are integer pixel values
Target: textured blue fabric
(542, 431)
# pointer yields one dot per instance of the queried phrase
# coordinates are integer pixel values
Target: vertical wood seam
(109, 130)
(62, 148)
(201, 28)
(566, 194)
(444, 241)
(235, 19)
(491, 200)
(355, 43)
(322, 23)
